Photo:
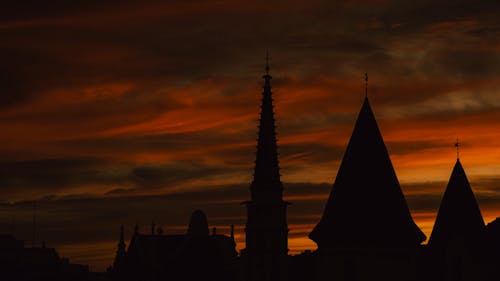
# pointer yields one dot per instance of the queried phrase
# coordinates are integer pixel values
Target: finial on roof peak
(366, 84)
(457, 146)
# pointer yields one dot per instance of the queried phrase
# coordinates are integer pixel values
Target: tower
(266, 228)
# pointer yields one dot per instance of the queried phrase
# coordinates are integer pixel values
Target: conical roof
(459, 214)
(366, 207)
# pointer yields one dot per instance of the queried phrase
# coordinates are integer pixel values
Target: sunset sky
(124, 112)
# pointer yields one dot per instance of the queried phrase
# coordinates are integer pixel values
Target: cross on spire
(457, 145)
(267, 62)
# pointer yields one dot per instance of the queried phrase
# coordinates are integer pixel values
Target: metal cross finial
(366, 84)
(457, 145)
(267, 62)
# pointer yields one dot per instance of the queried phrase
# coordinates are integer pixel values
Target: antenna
(457, 145)
(366, 84)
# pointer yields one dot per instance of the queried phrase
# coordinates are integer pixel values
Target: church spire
(266, 228)
(266, 173)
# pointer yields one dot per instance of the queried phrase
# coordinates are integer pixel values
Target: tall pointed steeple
(459, 215)
(267, 171)
(266, 228)
(366, 207)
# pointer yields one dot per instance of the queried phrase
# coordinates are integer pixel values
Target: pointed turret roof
(366, 207)
(266, 173)
(459, 214)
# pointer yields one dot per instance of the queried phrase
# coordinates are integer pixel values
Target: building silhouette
(266, 229)
(193, 256)
(20, 263)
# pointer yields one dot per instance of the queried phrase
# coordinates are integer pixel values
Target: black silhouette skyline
(123, 113)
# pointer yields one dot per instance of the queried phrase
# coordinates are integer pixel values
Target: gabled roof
(459, 214)
(366, 207)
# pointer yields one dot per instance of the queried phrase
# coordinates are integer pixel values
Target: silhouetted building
(196, 255)
(366, 232)
(18, 263)
(265, 256)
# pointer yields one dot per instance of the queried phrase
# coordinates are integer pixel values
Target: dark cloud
(49, 178)
(38, 177)
(32, 9)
